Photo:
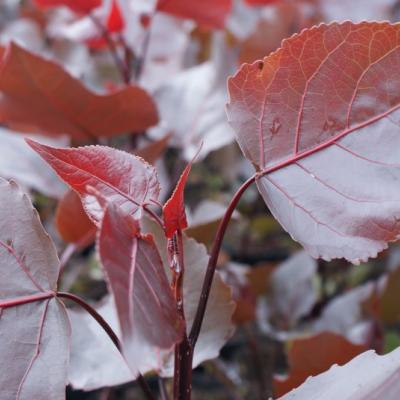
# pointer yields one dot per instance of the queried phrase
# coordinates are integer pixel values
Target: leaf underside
(320, 120)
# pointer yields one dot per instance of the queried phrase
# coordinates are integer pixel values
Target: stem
(122, 68)
(212, 263)
(183, 350)
(111, 334)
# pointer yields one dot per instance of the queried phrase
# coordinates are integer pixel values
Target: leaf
(30, 171)
(199, 93)
(121, 178)
(79, 6)
(72, 222)
(217, 325)
(293, 293)
(319, 120)
(344, 315)
(95, 361)
(330, 348)
(260, 2)
(174, 208)
(115, 21)
(38, 95)
(143, 296)
(34, 326)
(368, 376)
(209, 13)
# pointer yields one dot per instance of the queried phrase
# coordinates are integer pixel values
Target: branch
(212, 262)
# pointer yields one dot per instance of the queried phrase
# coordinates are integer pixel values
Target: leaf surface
(136, 276)
(38, 95)
(366, 377)
(34, 343)
(319, 119)
(119, 177)
(209, 13)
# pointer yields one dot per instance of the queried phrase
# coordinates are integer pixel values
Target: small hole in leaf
(260, 65)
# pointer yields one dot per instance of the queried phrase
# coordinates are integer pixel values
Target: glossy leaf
(119, 177)
(136, 276)
(368, 376)
(34, 326)
(39, 96)
(209, 13)
(115, 21)
(71, 220)
(314, 355)
(319, 119)
(79, 6)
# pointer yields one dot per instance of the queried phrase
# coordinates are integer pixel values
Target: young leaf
(115, 21)
(217, 326)
(119, 177)
(209, 13)
(368, 376)
(319, 119)
(39, 96)
(79, 6)
(174, 208)
(330, 349)
(34, 326)
(136, 276)
(71, 220)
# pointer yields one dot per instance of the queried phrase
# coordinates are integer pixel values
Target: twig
(212, 263)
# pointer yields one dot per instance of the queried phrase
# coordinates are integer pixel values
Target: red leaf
(260, 2)
(79, 6)
(330, 348)
(174, 208)
(209, 13)
(34, 326)
(72, 221)
(144, 300)
(320, 118)
(39, 96)
(121, 178)
(115, 21)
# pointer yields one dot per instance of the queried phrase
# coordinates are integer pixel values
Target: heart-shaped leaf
(143, 297)
(38, 95)
(119, 177)
(34, 326)
(319, 119)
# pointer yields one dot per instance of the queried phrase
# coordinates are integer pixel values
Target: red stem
(212, 263)
(111, 334)
(122, 68)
